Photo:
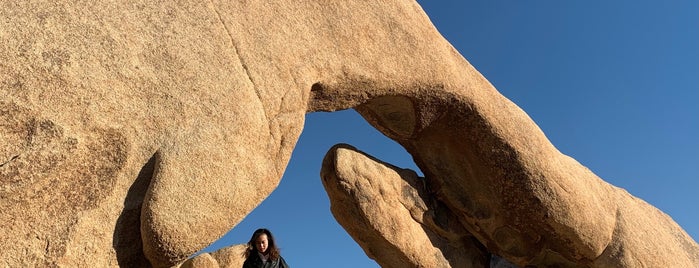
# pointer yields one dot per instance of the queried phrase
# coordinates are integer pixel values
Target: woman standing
(262, 251)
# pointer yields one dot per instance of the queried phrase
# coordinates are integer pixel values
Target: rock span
(136, 133)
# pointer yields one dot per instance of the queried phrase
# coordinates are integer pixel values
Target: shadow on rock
(127, 233)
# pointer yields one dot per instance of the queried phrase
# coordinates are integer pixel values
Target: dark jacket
(254, 261)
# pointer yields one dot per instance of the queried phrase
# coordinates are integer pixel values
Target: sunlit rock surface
(228, 257)
(392, 216)
(136, 133)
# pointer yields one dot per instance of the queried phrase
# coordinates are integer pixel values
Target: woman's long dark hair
(272, 249)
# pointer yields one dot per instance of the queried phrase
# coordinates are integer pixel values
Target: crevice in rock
(236, 50)
(235, 45)
(10, 160)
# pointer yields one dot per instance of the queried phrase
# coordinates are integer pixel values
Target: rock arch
(91, 92)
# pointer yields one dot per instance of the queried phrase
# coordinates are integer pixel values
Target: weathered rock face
(392, 215)
(229, 257)
(91, 92)
(136, 133)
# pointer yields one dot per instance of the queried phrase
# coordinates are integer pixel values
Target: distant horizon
(612, 84)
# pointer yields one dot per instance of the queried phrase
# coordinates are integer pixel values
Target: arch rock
(136, 133)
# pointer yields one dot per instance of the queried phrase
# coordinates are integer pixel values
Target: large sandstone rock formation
(393, 216)
(135, 133)
(400, 222)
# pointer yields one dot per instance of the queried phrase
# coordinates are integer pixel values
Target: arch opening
(298, 211)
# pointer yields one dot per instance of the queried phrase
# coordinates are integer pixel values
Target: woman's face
(261, 243)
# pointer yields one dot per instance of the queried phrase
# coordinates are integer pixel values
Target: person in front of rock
(262, 251)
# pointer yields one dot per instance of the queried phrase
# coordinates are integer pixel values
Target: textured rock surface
(137, 132)
(96, 93)
(229, 257)
(389, 212)
(204, 260)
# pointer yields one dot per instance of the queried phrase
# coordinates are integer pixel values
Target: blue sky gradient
(614, 84)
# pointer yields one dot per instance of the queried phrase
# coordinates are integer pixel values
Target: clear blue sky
(614, 84)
